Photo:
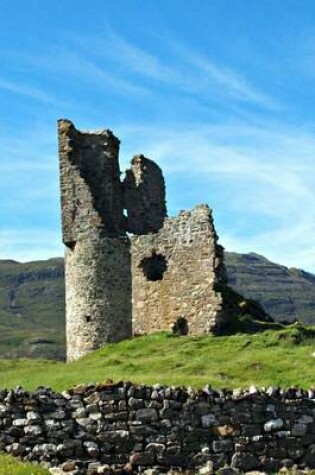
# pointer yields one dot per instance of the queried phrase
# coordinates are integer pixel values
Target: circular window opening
(154, 266)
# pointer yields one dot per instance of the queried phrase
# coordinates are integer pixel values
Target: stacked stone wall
(189, 264)
(95, 429)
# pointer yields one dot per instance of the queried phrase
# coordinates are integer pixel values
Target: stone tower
(97, 260)
(129, 269)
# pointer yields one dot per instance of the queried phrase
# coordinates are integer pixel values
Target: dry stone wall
(126, 428)
(174, 274)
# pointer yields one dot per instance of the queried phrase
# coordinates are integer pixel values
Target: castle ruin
(129, 269)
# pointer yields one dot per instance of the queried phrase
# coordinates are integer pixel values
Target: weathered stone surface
(208, 420)
(175, 272)
(299, 430)
(165, 276)
(144, 193)
(273, 424)
(192, 438)
(244, 461)
(97, 261)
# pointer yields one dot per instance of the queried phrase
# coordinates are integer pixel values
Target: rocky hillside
(32, 300)
(286, 294)
(32, 309)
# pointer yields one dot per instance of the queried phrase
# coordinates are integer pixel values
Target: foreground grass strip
(284, 358)
(12, 466)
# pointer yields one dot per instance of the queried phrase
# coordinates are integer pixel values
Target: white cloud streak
(235, 84)
(249, 174)
(252, 173)
(29, 244)
(24, 90)
(256, 173)
(193, 72)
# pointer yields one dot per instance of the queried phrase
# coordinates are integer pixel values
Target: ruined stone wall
(144, 191)
(88, 430)
(97, 260)
(91, 192)
(174, 273)
(171, 266)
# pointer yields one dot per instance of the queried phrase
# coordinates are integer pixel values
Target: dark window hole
(180, 327)
(88, 319)
(154, 267)
(71, 245)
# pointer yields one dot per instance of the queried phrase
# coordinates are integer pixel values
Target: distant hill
(32, 309)
(286, 294)
(32, 300)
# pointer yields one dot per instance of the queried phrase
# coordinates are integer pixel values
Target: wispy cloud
(115, 65)
(235, 84)
(31, 149)
(29, 244)
(77, 65)
(292, 245)
(259, 181)
(259, 178)
(71, 63)
(179, 66)
(139, 61)
(28, 91)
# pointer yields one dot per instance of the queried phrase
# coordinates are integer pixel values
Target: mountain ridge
(32, 299)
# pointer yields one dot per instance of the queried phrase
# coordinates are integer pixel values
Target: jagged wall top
(144, 196)
(166, 273)
(91, 195)
(93, 198)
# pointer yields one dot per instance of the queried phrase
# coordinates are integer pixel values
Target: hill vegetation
(11, 466)
(286, 294)
(275, 357)
(32, 300)
(32, 309)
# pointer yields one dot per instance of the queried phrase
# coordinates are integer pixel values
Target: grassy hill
(286, 294)
(282, 357)
(11, 466)
(275, 357)
(32, 300)
(32, 309)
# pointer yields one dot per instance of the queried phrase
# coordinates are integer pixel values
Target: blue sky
(220, 93)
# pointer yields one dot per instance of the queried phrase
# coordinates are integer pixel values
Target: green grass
(38, 312)
(282, 357)
(11, 466)
(274, 357)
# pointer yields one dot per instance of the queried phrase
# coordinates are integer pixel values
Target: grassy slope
(11, 466)
(281, 358)
(38, 313)
(39, 310)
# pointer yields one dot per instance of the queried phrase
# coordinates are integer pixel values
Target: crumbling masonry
(129, 268)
